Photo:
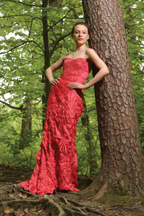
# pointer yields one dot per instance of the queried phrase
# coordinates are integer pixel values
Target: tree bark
(92, 161)
(46, 57)
(56, 3)
(122, 166)
(26, 130)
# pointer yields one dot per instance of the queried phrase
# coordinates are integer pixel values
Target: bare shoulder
(67, 54)
(90, 53)
(63, 57)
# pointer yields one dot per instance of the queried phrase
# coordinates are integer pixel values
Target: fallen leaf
(8, 210)
(22, 196)
(11, 195)
(26, 210)
(18, 213)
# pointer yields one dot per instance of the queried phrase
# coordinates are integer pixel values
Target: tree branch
(7, 92)
(16, 80)
(15, 15)
(31, 27)
(133, 18)
(14, 48)
(37, 45)
(58, 21)
(72, 18)
(56, 43)
(134, 8)
(24, 3)
(137, 9)
(21, 45)
(13, 107)
(136, 34)
(37, 102)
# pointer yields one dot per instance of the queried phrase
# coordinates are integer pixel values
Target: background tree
(122, 158)
(23, 78)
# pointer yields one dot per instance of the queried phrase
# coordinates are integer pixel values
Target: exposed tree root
(84, 207)
(75, 203)
(53, 207)
(17, 199)
(101, 192)
(19, 188)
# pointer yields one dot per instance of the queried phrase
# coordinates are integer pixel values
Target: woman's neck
(80, 48)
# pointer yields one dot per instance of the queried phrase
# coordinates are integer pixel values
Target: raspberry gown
(56, 167)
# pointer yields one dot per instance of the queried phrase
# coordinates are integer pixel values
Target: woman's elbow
(106, 70)
(48, 69)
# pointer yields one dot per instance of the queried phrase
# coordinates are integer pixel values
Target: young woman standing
(56, 168)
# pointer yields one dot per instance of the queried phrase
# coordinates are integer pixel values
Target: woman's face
(80, 34)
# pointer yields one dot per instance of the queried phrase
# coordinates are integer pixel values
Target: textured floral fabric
(56, 168)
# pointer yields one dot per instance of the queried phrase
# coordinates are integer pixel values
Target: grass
(119, 199)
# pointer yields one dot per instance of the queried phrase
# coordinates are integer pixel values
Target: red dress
(56, 167)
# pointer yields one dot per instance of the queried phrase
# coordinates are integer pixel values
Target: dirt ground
(14, 201)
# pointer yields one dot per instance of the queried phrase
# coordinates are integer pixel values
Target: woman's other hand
(75, 85)
(54, 81)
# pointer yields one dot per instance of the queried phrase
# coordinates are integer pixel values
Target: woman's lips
(80, 39)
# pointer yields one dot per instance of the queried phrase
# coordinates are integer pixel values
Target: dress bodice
(75, 70)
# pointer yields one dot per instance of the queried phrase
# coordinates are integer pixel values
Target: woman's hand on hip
(54, 81)
(75, 85)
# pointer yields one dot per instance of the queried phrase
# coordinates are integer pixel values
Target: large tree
(121, 152)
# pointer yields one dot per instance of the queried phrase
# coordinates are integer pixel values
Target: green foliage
(22, 66)
(134, 25)
(10, 138)
(116, 199)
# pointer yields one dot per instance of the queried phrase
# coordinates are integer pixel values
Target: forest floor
(14, 201)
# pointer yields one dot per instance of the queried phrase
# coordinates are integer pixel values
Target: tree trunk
(26, 130)
(53, 3)
(56, 3)
(121, 151)
(46, 57)
(88, 137)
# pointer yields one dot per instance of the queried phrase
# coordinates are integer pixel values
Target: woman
(56, 168)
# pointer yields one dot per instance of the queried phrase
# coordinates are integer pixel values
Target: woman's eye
(77, 32)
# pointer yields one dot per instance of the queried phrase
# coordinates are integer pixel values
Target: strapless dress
(56, 168)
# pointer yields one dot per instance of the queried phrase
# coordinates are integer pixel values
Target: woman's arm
(58, 64)
(103, 70)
